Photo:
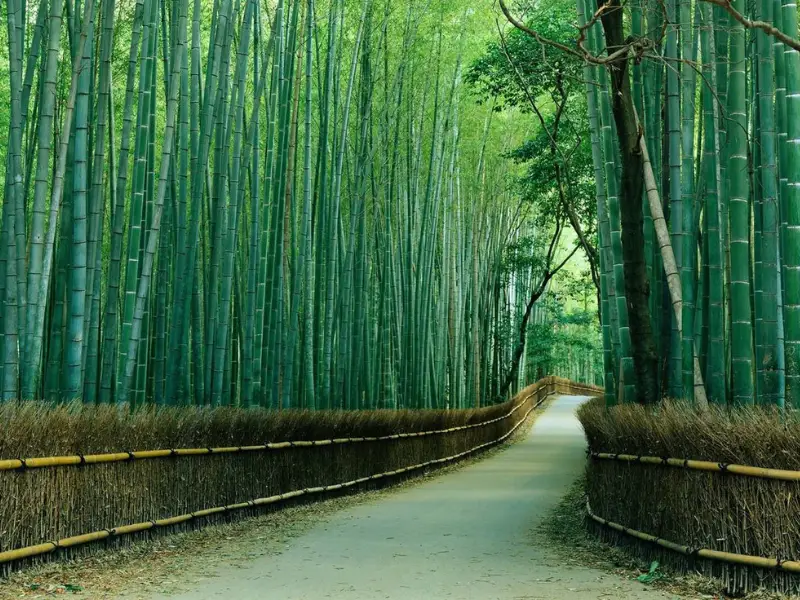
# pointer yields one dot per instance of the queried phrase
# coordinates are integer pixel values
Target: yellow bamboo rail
(13, 464)
(94, 459)
(78, 540)
(791, 566)
(702, 465)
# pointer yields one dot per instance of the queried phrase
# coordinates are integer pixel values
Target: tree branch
(589, 249)
(638, 45)
(768, 28)
(535, 295)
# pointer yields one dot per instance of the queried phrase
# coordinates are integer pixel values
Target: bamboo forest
(358, 204)
(292, 204)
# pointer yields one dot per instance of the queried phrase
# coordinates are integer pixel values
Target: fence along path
(220, 481)
(101, 534)
(462, 535)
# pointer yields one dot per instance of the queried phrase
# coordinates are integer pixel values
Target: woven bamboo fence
(76, 479)
(714, 492)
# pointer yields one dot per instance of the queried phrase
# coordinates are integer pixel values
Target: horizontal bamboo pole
(762, 562)
(14, 464)
(46, 548)
(703, 465)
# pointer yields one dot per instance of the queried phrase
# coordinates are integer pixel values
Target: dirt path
(465, 535)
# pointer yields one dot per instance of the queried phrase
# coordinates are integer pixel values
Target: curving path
(463, 536)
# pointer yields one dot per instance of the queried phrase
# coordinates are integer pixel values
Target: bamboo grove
(282, 204)
(694, 118)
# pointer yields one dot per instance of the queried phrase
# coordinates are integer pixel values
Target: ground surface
(463, 535)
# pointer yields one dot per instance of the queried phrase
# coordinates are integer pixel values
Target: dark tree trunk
(637, 289)
(518, 350)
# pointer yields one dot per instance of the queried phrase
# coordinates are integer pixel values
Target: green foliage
(537, 183)
(516, 67)
(517, 71)
(565, 341)
(525, 253)
(653, 574)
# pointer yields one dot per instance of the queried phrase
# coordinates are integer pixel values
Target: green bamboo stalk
(265, 295)
(178, 378)
(8, 271)
(210, 99)
(74, 347)
(281, 386)
(261, 264)
(248, 350)
(676, 220)
(15, 15)
(767, 366)
(97, 205)
(138, 192)
(299, 275)
(590, 75)
(218, 193)
(739, 211)
(688, 255)
(152, 240)
(781, 120)
(791, 230)
(60, 169)
(32, 375)
(111, 316)
(715, 356)
(327, 240)
(236, 193)
(626, 384)
(306, 240)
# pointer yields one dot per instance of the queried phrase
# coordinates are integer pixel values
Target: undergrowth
(569, 533)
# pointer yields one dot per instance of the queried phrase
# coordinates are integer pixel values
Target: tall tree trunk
(637, 287)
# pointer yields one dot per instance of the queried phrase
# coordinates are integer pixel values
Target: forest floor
(470, 533)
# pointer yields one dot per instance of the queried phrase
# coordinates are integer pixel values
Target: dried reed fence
(712, 502)
(231, 458)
